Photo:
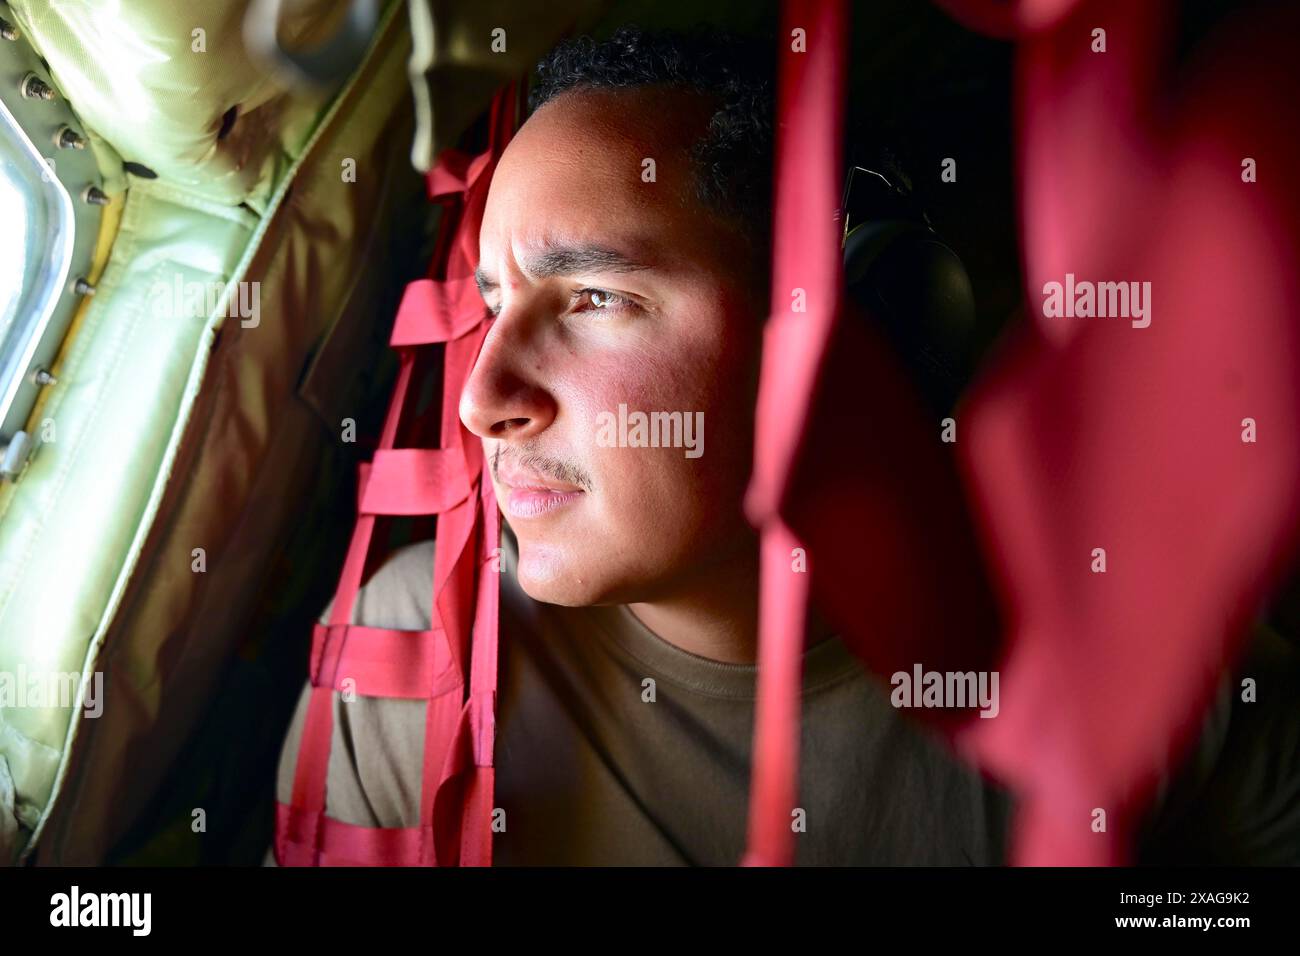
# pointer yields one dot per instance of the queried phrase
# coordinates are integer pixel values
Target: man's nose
(502, 398)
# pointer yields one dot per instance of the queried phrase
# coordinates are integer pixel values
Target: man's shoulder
(400, 594)
(1236, 799)
(376, 743)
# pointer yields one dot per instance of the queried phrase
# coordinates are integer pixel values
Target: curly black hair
(732, 162)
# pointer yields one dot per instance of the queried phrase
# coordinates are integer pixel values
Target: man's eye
(600, 300)
(586, 300)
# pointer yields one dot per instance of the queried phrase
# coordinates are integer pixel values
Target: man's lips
(513, 476)
(530, 495)
(535, 502)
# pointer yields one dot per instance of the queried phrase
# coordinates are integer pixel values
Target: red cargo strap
(807, 256)
(456, 173)
(434, 310)
(452, 482)
(341, 844)
(382, 662)
(415, 481)
(476, 847)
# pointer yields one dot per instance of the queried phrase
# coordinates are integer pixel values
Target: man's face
(612, 290)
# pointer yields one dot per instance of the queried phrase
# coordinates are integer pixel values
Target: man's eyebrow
(567, 260)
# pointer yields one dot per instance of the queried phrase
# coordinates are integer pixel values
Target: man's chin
(564, 592)
(551, 576)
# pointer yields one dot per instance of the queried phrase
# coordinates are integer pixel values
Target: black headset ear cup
(916, 291)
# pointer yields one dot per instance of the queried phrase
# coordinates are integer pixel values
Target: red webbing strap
(806, 256)
(1092, 432)
(476, 831)
(336, 843)
(457, 777)
(437, 310)
(383, 662)
(463, 808)
(415, 481)
(416, 664)
(312, 767)
(456, 172)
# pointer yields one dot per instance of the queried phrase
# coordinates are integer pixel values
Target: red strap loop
(299, 833)
(810, 110)
(383, 662)
(437, 310)
(457, 779)
(415, 481)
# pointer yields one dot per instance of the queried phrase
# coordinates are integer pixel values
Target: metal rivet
(7, 30)
(43, 377)
(95, 196)
(82, 287)
(68, 138)
(34, 88)
(14, 457)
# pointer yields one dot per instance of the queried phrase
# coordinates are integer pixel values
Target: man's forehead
(585, 136)
(566, 212)
(579, 153)
(582, 191)
(555, 255)
(595, 120)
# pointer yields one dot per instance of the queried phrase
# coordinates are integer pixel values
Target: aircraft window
(36, 234)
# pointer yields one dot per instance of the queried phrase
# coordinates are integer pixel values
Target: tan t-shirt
(590, 773)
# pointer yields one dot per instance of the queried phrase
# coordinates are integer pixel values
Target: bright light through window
(13, 245)
(36, 232)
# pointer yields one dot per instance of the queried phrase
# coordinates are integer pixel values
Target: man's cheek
(657, 487)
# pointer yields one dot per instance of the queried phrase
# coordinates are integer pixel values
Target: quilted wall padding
(157, 78)
(69, 523)
(460, 72)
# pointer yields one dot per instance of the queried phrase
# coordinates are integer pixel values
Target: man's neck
(715, 613)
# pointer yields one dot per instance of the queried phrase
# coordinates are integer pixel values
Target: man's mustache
(544, 466)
